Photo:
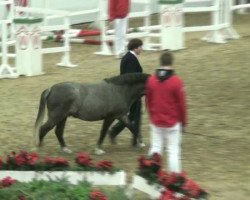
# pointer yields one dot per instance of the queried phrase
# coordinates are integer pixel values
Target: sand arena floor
(217, 144)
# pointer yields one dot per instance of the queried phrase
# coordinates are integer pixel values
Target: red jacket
(166, 101)
(118, 9)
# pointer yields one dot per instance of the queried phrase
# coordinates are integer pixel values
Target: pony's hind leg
(44, 129)
(59, 134)
(105, 125)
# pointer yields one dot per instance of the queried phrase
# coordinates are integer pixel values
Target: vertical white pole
(147, 23)
(216, 15)
(228, 12)
(4, 44)
(231, 33)
(105, 49)
(215, 35)
(102, 19)
(45, 6)
(243, 10)
(11, 17)
(65, 61)
(5, 70)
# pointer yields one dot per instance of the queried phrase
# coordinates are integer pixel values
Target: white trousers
(171, 139)
(120, 35)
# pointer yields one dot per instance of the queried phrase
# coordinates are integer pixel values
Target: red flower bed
(177, 185)
(55, 163)
(24, 161)
(6, 182)
(84, 160)
(104, 165)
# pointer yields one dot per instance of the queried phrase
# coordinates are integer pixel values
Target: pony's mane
(129, 78)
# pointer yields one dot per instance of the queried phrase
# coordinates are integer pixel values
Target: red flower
(150, 165)
(163, 178)
(172, 178)
(157, 158)
(105, 165)
(191, 188)
(97, 195)
(32, 159)
(21, 159)
(154, 160)
(167, 195)
(6, 182)
(147, 163)
(83, 159)
(57, 162)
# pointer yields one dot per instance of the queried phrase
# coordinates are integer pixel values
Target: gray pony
(107, 100)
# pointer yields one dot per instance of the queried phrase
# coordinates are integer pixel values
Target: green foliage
(115, 194)
(59, 189)
(151, 178)
(52, 190)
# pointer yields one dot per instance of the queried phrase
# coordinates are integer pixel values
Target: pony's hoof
(40, 144)
(67, 150)
(99, 151)
(34, 149)
(141, 145)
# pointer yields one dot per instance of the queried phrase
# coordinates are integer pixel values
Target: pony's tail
(41, 111)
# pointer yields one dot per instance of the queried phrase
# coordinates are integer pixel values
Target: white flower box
(95, 178)
(153, 190)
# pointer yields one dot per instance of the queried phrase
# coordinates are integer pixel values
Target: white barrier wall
(198, 3)
(80, 5)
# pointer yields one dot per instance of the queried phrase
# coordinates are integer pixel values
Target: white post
(242, 10)
(65, 61)
(105, 48)
(230, 33)
(11, 16)
(4, 44)
(5, 70)
(146, 24)
(215, 35)
(171, 21)
(28, 46)
(45, 6)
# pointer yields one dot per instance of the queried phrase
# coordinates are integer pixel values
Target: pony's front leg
(105, 125)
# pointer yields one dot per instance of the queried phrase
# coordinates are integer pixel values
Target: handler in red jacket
(166, 104)
(118, 12)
